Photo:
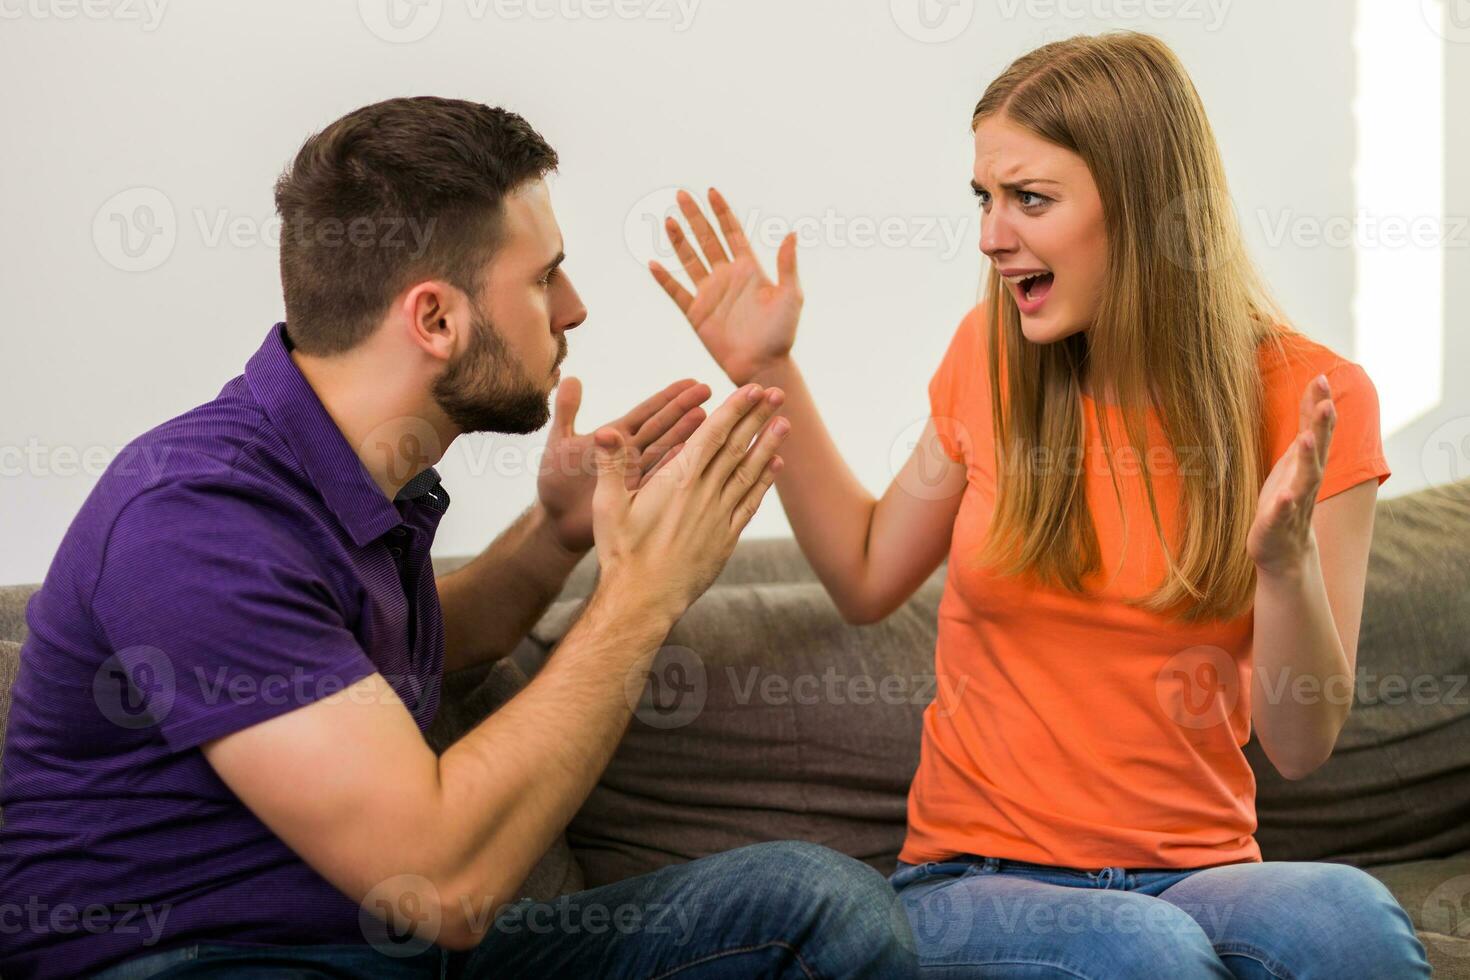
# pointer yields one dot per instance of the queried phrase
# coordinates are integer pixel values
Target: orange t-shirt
(1079, 730)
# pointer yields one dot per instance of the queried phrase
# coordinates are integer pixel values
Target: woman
(1151, 548)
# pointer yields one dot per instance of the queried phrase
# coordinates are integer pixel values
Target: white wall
(842, 118)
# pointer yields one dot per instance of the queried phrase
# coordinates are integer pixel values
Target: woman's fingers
(687, 257)
(682, 297)
(734, 234)
(709, 242)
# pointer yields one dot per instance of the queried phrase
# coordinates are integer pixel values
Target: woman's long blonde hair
(1182, 316)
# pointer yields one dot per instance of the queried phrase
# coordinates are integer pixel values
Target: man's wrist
(635, 607)
(543, 529)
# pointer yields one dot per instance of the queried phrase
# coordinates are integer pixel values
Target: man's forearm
(511, 785)
(491, 603)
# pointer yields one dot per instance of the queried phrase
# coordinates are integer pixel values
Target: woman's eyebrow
(1019, 185)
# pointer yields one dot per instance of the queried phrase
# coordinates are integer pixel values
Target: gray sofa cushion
(792, 725)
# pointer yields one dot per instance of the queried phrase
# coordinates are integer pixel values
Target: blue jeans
(781, 909)
(976, 916)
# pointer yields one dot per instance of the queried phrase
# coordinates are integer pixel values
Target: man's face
(502, 380)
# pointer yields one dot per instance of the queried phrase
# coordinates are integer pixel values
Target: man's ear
(436, 316)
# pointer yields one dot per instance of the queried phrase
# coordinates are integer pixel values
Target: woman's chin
(1046, 329)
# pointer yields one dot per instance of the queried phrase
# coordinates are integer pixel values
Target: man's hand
(568, 474)
(666, 543)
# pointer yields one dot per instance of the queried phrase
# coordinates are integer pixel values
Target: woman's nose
(997, 237)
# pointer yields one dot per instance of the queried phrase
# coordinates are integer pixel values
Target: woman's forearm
(831, 513)
(1302, 682)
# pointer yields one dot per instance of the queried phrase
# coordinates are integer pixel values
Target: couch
(768, 718)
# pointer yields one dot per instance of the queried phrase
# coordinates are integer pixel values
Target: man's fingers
(736, 446)
(678, 433)
(687, 257)
(751, 502)
(709, 242)
(706, 442)
(753, 462)
(734, 234)
(611, 495)
(682, 297)
(661, 462)
(639, 414)
(671, 412)
(568, 400)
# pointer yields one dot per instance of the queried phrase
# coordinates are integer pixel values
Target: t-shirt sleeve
(1356, 451)
(949, 387)
(217, 616)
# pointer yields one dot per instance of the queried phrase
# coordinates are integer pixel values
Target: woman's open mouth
(1030, 290)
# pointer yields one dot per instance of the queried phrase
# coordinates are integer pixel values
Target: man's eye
(983, 197)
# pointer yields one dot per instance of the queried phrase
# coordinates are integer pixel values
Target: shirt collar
(329, 462)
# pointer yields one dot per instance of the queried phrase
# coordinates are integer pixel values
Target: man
(216, 762)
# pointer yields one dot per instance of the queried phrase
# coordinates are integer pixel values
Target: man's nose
(571, 311)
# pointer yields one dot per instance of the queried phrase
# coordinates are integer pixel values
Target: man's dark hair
(401, 190)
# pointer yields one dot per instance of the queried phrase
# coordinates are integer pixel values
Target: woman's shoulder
(1289, 361)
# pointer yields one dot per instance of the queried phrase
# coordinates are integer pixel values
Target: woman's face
(1041, 217)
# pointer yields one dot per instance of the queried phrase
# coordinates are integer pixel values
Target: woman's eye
(1036, 199)
(546, 279)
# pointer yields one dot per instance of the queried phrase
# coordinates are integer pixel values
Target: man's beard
(486, 390)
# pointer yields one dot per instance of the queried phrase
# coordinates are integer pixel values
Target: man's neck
(382, 416)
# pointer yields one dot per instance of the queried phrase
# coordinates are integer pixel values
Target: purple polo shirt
(232, 564)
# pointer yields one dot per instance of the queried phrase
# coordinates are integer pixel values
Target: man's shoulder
(219, 464)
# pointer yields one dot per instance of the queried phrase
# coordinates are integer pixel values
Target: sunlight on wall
(1398, 307)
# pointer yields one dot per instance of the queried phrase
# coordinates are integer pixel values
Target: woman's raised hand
(746, 321)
